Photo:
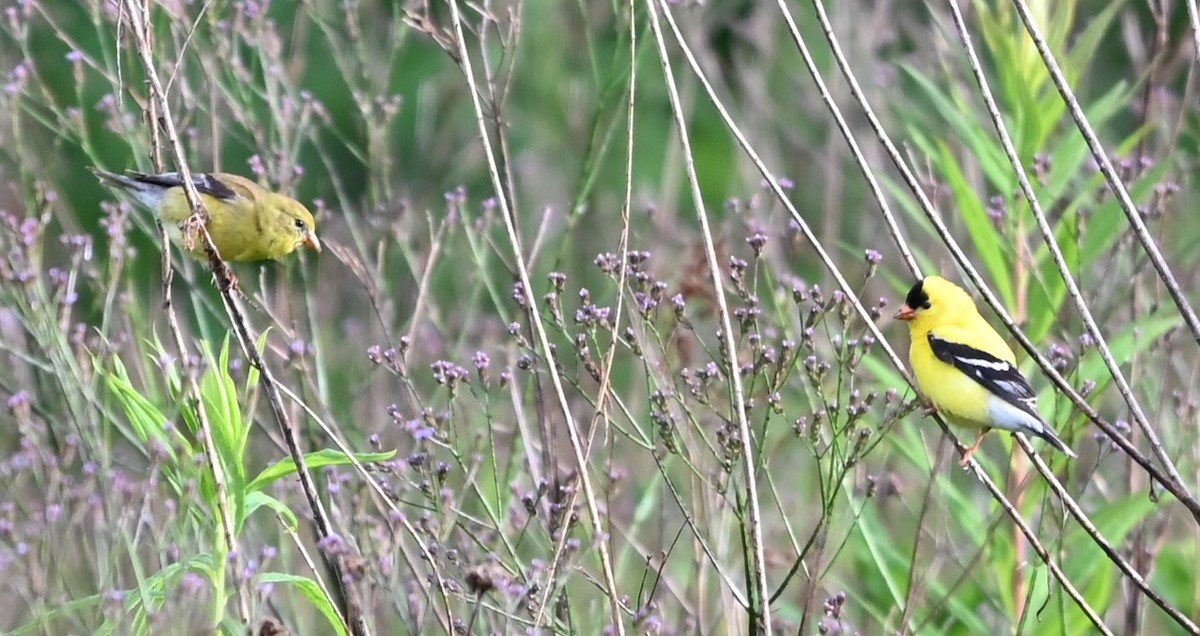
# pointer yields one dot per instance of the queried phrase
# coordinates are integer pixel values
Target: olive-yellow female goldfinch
(964, 368)
(246, 222)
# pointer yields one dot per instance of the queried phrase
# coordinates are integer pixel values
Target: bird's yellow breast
(955, 395)
(237, 227)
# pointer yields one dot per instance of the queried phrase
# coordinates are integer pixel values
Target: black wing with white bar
(205, 183)
(1000, 377)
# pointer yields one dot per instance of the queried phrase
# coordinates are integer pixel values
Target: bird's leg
(966, 458)
(227, 279)
(927, 408)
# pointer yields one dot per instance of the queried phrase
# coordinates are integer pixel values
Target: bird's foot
(966, 458)
(928, 409)
(228, 281)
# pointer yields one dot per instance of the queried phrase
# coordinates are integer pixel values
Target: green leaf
(1086, 44)
(229, 430)
(1174, 575)
(1070, 151)
(41, 624)
(884, 556)
(145, 418)
(317, 459)
(1047, 290)
(313, 592)
(965, 126)
(256, 499)
(890, 566)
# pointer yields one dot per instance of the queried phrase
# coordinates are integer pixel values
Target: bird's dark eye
(300, 224)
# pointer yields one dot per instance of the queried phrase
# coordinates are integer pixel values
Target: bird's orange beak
(906, 313)
(311, 242)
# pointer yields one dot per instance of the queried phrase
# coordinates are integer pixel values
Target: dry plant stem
(497, 97)
(1194, 21)
(1113, 555)
(1154, 66)
(1030, 536)
(1073, 290)
(1034, 541)
(1127, 204)
(601, 414)
(139, 20)
(306, 556)
(1018, 474)
(701, 547)
(623, 246)
(1175, 487)
(344, 583)
(967, 573)
(759, 592)
(1110, 173)
(543, 340)
(918, 573)
(388, 500)
(859, 159)
(357, 621)
(435, 251)
(852, 297)
(601, 411)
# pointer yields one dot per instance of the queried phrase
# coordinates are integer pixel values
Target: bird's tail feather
(1047, 433)
(114, 179)
(142, 187)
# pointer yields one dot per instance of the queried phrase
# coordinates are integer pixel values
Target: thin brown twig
(1194, 22)
(381, 495)
(435, 250)
(539, 329)
(600, 412)
(1113, 555)
(138, 18)
(918, 572)
(760, 621)
(1158, 53)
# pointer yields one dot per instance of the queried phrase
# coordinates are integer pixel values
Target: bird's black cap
(917, 298)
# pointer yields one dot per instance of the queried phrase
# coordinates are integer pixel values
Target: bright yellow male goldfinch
(965, 369)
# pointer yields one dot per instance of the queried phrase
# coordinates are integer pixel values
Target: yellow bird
(246, 222)
(964, 368)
